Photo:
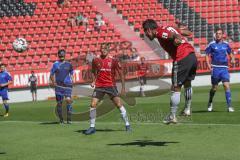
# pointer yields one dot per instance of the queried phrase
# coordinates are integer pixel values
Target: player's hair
(219, 29)
(61, 52)
(149, 24)
(106, 46)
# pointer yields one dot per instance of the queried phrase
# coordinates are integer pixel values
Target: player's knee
(69, 101)
(176, 88)
(214, 88)
(59, 103)
(187, 84)
(94, 105)
(226, 86)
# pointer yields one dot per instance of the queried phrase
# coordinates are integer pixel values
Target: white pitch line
(135, 123)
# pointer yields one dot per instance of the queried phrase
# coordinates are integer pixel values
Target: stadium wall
(45, 93)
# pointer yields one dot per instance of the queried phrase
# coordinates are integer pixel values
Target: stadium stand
(44, 25)
(201, 17)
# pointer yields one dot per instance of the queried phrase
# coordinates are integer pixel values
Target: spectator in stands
(134, 55)
(33, 86)
(82, 20)
(63, 3)
(99, 22)
(89, 57)
(72, 21)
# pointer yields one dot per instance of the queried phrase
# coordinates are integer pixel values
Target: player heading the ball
(184, 63)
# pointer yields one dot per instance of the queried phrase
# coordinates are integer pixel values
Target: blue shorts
(62, 92)
(4, 94)
(220, 74)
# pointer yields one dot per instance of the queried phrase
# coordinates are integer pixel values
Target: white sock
(124, 115)
(175, 100)
(188, 97)
(92, 117)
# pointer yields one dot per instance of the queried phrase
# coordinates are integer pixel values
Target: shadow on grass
(100, 130)
(3, 153)
(204, 111)
(48, 123)
(143, 143)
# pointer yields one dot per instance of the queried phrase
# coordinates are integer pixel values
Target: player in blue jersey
(219, 50)
(61, 78)
(5, 80)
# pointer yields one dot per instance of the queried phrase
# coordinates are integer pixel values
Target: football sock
(6, 107)
(211, 95)
(174, 101)
(228, 97)
(188, 97)
(93, 114)
(59, 111)
(69, 112)
(124, 115)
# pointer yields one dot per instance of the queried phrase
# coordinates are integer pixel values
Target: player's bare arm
(52, 81)
(176, 38)
(208, 62)
(232, 58)
(185, 32)
(94, 74)
(122, 79)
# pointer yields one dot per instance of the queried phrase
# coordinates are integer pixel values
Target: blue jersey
(218, 52)
(62, 72)
(5, 77)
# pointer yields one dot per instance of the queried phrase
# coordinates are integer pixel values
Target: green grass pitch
(29, 133)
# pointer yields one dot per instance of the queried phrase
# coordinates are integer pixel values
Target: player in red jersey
(184, 63)
(142, 73)
(104, 71)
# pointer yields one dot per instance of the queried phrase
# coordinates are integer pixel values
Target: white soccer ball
(20, 45)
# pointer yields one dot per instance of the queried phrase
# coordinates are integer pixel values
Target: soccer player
(61, 77)
(104, 71)
(219, 50)
(33, 85)
(5, 80)
(184, 63)
(142, 71)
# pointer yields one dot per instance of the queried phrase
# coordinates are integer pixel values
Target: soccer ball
(20, 45)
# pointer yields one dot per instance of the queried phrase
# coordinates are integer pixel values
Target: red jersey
(105, 70)
(176, 52)
(142, 69)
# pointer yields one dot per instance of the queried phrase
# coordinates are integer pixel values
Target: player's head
(149, 27)
(219, 34)
(32, 72)
(105, 49)
(3, 68)
(61, 54)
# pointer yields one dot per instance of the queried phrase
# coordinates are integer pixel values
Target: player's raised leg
(117, 101)
(92, 115)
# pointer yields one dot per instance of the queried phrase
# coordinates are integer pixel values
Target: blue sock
(69, 112)
(6, 107)
(228, 97)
